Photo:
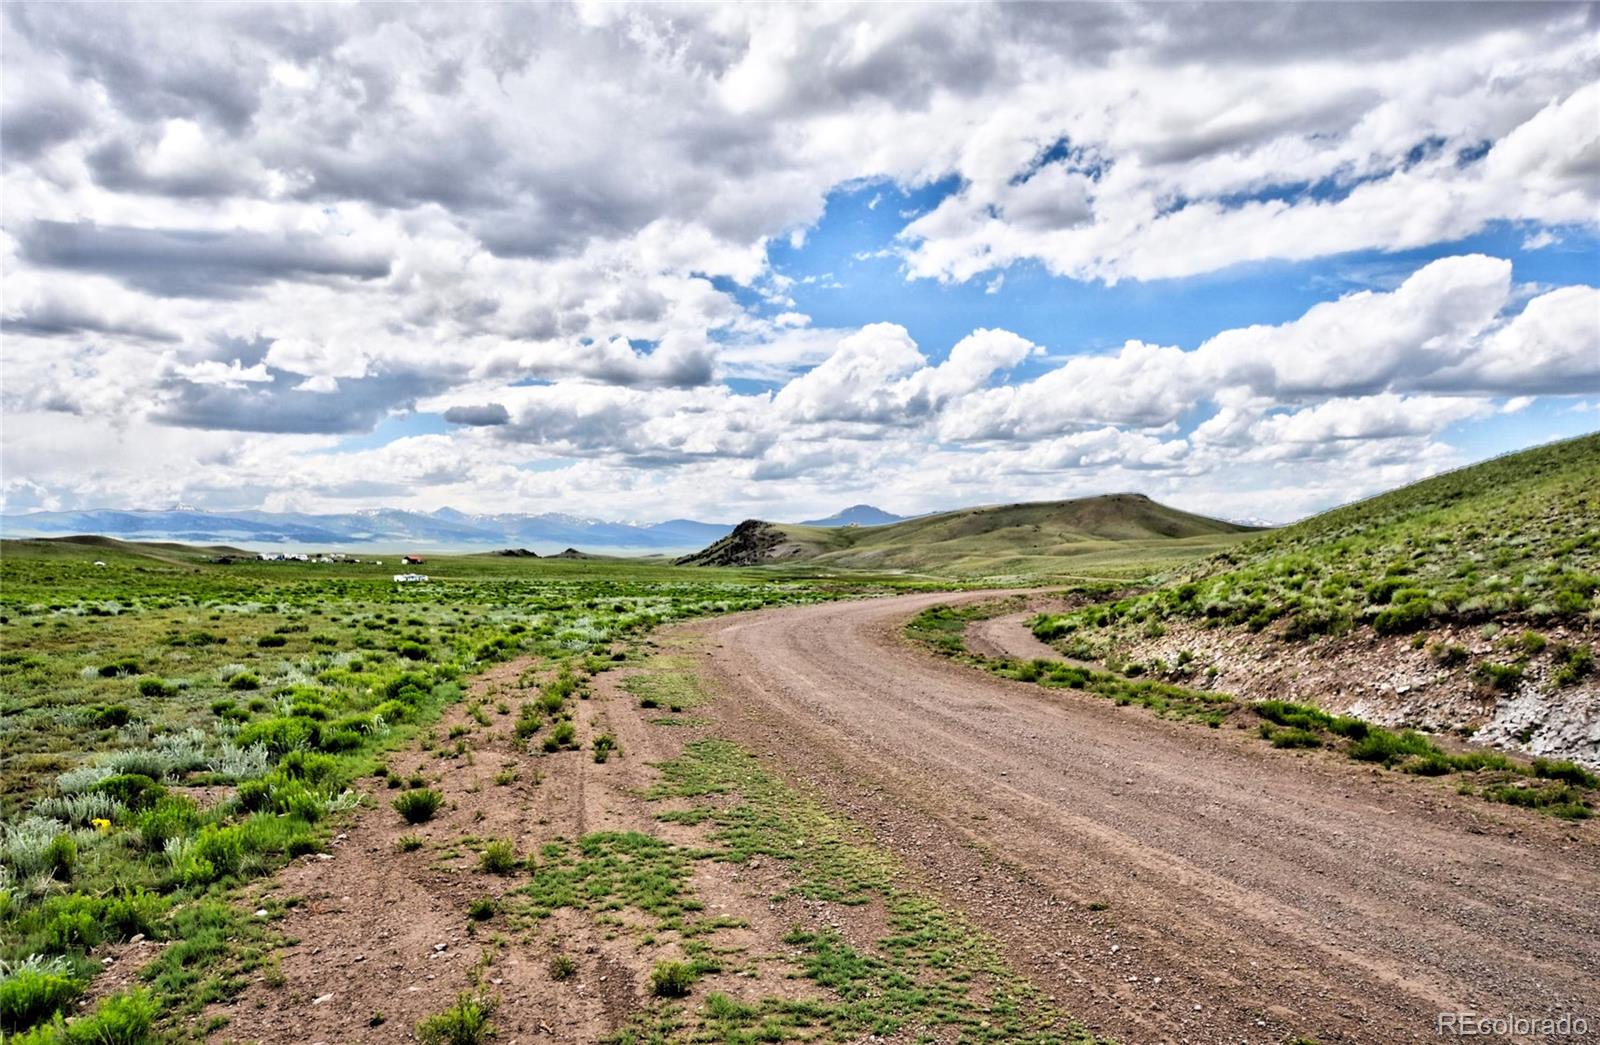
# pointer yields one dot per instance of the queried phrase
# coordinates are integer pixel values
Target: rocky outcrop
(752, 543)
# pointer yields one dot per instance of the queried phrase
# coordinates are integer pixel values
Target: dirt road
(1163, 881)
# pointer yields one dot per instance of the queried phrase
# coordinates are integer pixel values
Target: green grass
(1518, 536)
(610, 871)
(941, 628)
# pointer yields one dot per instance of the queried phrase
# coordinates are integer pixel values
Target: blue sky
(718, 262)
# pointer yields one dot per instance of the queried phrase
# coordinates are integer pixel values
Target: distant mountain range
(857, 515)
(443, 528)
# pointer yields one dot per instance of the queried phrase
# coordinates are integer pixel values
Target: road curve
(1163, 881)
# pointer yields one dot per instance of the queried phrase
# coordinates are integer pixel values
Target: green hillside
(87, 548)
(1111, 534)
(1516, 535)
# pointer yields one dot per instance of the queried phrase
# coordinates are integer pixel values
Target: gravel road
(1164, 881)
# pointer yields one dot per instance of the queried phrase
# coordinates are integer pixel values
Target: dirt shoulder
(1161, 880)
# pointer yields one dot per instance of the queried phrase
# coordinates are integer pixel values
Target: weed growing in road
(563, 967)
(464, 1023)
(608, 871)
(418, 807)
(671, 979)
(499, 856)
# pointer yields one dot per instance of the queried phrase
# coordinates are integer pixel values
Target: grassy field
(176, 726)
(1112, 537)
(1517, 537)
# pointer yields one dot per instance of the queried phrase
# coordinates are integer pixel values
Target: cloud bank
(516, 254)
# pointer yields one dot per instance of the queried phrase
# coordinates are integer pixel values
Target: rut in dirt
(1162, 880)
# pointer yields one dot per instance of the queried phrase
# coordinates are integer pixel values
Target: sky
(718, 262)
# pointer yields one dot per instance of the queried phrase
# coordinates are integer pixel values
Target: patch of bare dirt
(1162, 881)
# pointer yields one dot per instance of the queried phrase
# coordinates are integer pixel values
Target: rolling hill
(1042, 538)
(1519, 534)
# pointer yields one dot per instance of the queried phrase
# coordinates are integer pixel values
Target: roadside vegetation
(177, 726)
(1558, 787)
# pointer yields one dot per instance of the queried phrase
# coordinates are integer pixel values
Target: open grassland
(1518, 536)
(176, 727)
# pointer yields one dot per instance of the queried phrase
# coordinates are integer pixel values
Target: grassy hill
(1517, 535)
(90, 547)
(1107, 535)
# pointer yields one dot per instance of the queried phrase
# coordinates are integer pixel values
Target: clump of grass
(1572, 664)
(1565, 771)
(671, 979)
(563, 967)
(419, 806)
(1562, 800)
(1297, 716)
(1294, 738)
(528, 721)
(408, 843)
(562, 736)
(498, 857)
(120, 1019)
(1502, 678)
(506, 777)
(481, 909)
(603, 745)
(33, 989)
(1382, 745)
(464, 1023)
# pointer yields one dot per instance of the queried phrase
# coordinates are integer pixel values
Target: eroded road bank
(1164, 881)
